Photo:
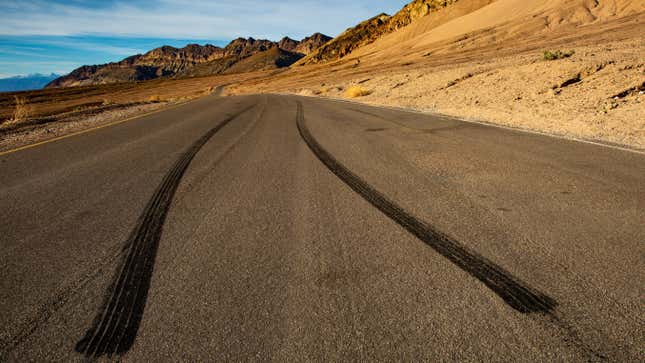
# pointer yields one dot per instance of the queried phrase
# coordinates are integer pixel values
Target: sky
(45, 36)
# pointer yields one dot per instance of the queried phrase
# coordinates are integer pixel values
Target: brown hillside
(165, 61)
(288, 44)
(311, 43)
(415, 10)
(272, 59)
(192, 60)
(471, 24)
(484, 59)
(352, 38)
(304, 46)
(159, 62)
(241, 47)
(372, 29)
(217, 66)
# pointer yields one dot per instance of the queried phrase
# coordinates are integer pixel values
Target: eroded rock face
(306, 45)
(194, 59)
(164, 61)
(370, 30)
(415, 10)
(159, 62)
(352, 38)
(270, 59)
(311, 43)
(241, 47)
(288, 44)
(168, 60)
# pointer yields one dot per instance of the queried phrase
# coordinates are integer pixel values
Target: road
(285, 228)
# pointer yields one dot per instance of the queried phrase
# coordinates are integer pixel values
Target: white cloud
(95, 46)
(28, 53)
(197, 19)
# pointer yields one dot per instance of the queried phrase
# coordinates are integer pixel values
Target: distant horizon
(54, 52)
(31, 75)
(59, 36)
(25, 83)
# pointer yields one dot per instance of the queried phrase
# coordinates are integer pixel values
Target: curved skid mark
(509, 288)
(117, 323)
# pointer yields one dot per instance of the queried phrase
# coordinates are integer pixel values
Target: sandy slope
(479, 23)
(482, 59)
(524, 91)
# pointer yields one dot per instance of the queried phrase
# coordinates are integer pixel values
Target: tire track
(509, 288)
(460, 125)
(116, 325)
(513, 291)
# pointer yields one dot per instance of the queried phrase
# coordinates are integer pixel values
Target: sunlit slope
(481, 23)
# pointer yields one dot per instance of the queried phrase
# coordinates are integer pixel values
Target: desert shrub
(21, 110)
(558, 54)
(307, 92)
(356, 91)
(154, 98)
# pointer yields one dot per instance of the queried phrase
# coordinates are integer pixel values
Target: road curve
(286, 228)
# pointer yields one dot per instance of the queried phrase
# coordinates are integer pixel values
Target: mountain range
(420, 28)
(240, 55)
(25, 83)
(372, 29)
(244, 55)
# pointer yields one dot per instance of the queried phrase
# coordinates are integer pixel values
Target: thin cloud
(28, 54)
(36, 34)
(188, 19)
(96, 46)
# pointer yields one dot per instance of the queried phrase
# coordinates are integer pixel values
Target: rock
(311, 43)
(372, 29)
(169, 61)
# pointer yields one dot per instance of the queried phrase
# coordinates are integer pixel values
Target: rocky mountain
(306, 45)
(352, 38)
(241, 47)
(311, 43)
(288, 44)
(247, 55)
(271, 59)
(372, 29)
(217, 66)
(195, 60)
(168, 60)
(415, 10)
(159, 62)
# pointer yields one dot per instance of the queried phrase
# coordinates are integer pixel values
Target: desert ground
(461, 62)
(499, 76)
(596, 94)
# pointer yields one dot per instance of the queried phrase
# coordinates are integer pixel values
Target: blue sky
(44, 36)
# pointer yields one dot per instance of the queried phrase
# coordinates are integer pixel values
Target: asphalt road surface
(283, 228)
